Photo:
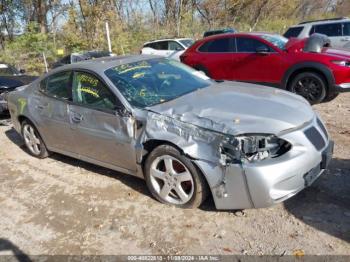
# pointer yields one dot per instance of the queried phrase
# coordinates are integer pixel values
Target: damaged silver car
(248, 146)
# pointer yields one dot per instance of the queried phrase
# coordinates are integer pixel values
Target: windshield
(187, 42)
(150, 82)
(276, 40)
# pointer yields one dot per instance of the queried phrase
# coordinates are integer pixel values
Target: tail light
(183, 57)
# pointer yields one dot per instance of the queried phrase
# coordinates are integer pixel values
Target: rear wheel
(309, 85)
(173, 179)
(33, 141)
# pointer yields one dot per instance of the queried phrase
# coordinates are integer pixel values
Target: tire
(330, 97)
(309, 85)
(33, 140)
(162, 172)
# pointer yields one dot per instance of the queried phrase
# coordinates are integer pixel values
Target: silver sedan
(248, 146)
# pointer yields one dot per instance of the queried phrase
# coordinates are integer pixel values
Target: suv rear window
(346, 29)
(221, 45)
(334, 29)
(161, 45)
(293, 32)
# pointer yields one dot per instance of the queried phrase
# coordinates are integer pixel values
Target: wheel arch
(151, 144)
(22, 118)
(315, 67)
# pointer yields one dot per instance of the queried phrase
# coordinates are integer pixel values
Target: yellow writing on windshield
(138, 75)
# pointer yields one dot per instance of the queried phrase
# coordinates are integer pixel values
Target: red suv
(303, 66)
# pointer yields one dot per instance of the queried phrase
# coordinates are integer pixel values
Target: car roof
(323, 21)
(103, 63)
(168, 39)
(240, 34)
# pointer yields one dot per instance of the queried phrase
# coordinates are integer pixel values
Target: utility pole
(108, 38)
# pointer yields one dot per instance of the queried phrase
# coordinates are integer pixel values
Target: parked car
(185, 134)
(171, 48)
(337, 29)
(219, 31)
(10, 78)
(77, 57)
(318, 74)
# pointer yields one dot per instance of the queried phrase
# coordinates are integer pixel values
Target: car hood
(339, 52)
(17, 80)
(239, 108)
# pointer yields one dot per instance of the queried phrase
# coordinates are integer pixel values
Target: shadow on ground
(133, 182)
(6, 245)
(326, 204)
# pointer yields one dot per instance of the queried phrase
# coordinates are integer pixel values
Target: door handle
(345, 39)
(76, 118)
(41, 106)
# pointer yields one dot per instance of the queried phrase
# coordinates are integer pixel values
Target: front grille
(315, 138)
(320, 124)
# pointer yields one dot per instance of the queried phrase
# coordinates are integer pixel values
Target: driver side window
(249, 45)
(90, 91)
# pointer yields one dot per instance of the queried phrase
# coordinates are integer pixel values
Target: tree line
(29, 28)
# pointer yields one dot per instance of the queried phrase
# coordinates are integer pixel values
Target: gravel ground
(60, 205)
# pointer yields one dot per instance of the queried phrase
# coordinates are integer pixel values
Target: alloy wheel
(171, 180)
(310, 88)
(31, 139)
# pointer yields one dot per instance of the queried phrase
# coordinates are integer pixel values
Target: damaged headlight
(254, 147)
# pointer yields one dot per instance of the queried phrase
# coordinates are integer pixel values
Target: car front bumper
(262, 184)
(341, 88)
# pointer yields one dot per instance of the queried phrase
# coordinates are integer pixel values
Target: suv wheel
(33, 141)
(309, 85)
(173, 179)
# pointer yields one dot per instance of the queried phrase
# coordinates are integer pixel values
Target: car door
(332, 30)
(175, 50)
(50, 103)
(216, 57)
(346, 35)
(253, 66)
(100, 133)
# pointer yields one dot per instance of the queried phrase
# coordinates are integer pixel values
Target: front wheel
(309, 85)
(173, 179)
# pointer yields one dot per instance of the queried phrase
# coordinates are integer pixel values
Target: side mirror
(22, 71)
(264, 50)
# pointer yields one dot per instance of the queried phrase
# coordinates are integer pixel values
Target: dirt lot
(64, 206)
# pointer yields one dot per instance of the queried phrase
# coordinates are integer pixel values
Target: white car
(171, 48)
(337, 29)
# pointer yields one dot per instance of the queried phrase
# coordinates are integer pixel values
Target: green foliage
(80, 26)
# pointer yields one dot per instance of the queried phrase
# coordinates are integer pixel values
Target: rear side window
(249, 45)
(334, 29)
(162, 45)
(57, 85)
(346, 29)
(293, 32)
(175, 46)
(222, 45)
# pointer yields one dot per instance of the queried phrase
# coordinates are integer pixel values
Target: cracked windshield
(150, 82)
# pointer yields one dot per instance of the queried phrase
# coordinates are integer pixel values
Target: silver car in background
(248, 146)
